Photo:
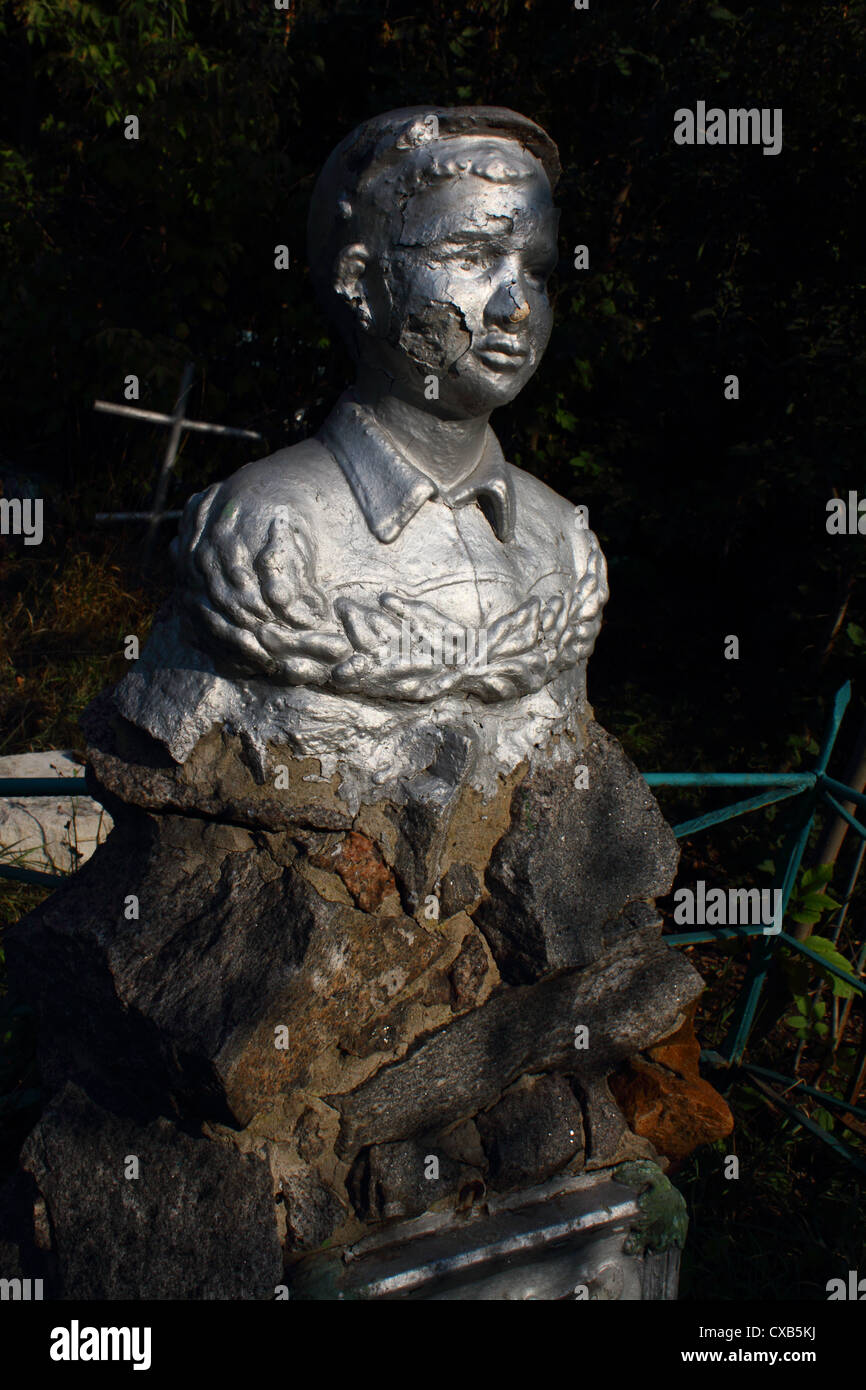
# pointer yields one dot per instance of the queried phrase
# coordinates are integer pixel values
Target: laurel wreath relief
(267, 611)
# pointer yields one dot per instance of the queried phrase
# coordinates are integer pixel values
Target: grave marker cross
(178, 422)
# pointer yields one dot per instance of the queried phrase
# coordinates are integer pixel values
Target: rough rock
(572, 860)
(463, 1143)
(441, 819)
(461, 890)
(21, 1211)
(604, 1123)
(220, 928)
(264, 967)
(313, 1211)
(310, 1136)
(681, 1052)
(533, 1131)
(391, 1180)
(470, 972)
(197, 1223)
(358, 1001)
(462, 1068)
(238, 983)
(359, 864)
(422, 824)
(665, 1099)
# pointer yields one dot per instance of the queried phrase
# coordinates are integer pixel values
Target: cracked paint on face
(434, 340)
(465, 277)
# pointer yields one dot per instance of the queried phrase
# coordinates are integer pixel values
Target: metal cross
(178, 422)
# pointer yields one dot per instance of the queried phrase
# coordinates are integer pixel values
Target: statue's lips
(502, 352)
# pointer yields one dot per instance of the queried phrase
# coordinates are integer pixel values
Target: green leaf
(797, 971)
(818, 902)
(824, 948)
(798, 1024)
(821, 873)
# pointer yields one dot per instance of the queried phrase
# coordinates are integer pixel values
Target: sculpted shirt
(339, 563)
(338, 573)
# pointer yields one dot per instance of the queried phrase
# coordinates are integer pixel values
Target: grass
(790, 1222)
(65, 617)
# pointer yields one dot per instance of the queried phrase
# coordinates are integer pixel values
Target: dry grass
(66, 614)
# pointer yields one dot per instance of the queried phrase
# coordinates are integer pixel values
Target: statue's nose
(510, 303)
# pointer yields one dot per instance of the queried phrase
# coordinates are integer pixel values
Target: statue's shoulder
(304, 474)
(303, 482)
(548, 519)
(301, 488)
(540, 498)
(546, 510)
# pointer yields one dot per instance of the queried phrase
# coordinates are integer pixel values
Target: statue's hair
(486, 164)
(398, 153)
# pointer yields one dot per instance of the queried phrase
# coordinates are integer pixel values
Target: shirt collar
(390, 490)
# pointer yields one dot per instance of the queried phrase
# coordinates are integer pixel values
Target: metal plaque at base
(589, 1237)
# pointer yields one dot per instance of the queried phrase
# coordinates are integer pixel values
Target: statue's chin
(473, 397)
(474, 389)
(470, 387)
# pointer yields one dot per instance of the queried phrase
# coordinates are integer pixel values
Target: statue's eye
(467, 257)
(540, 274)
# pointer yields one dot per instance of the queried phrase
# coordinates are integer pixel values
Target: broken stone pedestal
(305, 1023)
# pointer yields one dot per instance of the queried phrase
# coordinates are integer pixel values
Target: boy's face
(462, 288)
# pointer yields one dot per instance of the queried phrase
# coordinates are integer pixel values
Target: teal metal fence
(809, 790)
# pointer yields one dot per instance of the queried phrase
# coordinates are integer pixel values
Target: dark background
(135, 257)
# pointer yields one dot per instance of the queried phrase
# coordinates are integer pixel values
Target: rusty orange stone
(681, 1052)
(361, 867)
(665, 1099)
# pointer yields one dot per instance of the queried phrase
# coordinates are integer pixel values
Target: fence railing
(810, 789)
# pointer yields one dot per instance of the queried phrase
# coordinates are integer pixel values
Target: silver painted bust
(355, 597)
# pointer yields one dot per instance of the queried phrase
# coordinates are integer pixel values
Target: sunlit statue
(395, 559)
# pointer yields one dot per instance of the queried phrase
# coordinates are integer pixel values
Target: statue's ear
(350, 269)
